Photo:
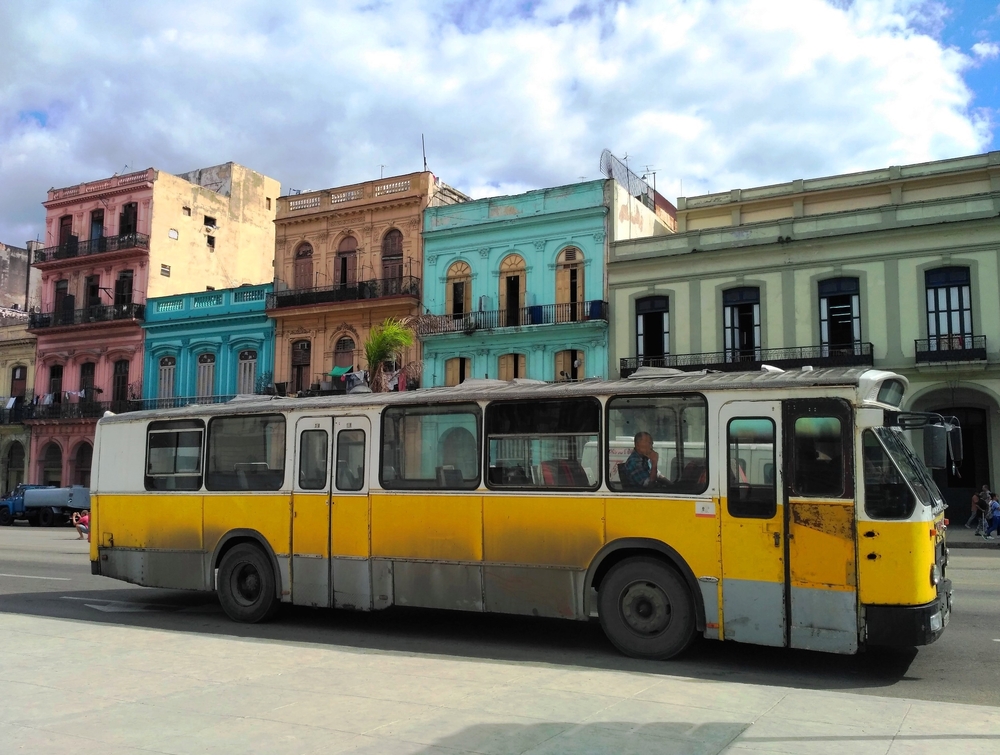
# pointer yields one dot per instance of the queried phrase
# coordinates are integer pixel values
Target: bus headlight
(935, 575)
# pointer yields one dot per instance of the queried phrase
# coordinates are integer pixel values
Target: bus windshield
(910, 466)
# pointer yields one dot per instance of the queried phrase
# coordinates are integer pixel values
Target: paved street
(93, 665)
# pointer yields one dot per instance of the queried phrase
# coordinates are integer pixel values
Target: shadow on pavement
(466, 635)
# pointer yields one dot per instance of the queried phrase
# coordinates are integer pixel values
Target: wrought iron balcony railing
(89, 315)
(71, 410)
(540, 314)
(950, 349)
(75, 248)
(852, 355)
(361, 290)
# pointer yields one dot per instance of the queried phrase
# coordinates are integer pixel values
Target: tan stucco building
(17, 385)
(346, 259)
(898, 268)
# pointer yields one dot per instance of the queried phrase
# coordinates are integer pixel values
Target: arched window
(119, 381)
(55, 384)
(18, 380)
(741, 324)
(205, 382)
(343, 352)
(246, 371)
(949, 308)
(456, 370)
(569, 365)
(304, 266)
(14, 463)
(301, 363)
(167, 373)
(458, 290)
(569, 286)
(512, 283)
(652, 330)
(392, 255)
(346, 264)
(52, 465)
(81, 464)
(839, 315)
(512, 366)
(88, 370)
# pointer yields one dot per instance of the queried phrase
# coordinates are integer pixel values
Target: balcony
(856, 355)
(96, 314)
(70, 410)
(941, 349)
(75, 248)
(541, 314)
(361, 291)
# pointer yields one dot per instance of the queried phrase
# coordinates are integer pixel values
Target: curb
(980, 545)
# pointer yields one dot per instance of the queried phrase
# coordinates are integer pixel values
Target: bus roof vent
(656, 372)
(771, 368)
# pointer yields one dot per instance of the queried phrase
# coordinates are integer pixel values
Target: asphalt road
(46, 572)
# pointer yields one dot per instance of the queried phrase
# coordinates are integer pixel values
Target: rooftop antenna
(423, 150)
(650, 172)
(381, 168)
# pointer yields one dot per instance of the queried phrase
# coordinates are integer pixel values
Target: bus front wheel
(247, 585)
(646, 609)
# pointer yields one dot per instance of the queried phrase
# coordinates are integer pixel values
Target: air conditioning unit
(485, 303)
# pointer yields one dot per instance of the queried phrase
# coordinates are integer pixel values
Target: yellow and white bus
(788, 508)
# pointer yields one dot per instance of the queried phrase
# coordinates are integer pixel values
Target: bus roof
(650, 380)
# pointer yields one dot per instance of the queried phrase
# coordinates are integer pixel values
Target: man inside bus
(639, 469)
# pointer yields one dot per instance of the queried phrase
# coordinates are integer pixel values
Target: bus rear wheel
(247, 585)
(646, 609)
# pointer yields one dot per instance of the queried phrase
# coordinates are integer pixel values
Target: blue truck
(43, 505)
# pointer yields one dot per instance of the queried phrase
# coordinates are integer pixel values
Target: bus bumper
(909, 626)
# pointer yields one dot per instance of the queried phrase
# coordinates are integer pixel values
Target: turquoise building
(515, 286)
(208, 345)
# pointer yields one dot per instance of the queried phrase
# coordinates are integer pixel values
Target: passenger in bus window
(639, 469)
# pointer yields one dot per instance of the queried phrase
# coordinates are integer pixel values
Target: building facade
(17, 383)
(112, 244)
(515, 285)
(210, 345)
(895, 268)
(20, 284)
(346, 259)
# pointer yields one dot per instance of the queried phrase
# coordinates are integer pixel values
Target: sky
(510, 95)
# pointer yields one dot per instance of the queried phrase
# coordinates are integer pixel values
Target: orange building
(346, 259)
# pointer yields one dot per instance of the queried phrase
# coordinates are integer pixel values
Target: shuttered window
(512, 366)
(569, 365)
(246, 371)
(206, 375)
(456, 370)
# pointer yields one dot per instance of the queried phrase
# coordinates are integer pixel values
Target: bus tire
(247, 588)
(646, 609)
(6, 518)
(45, 517)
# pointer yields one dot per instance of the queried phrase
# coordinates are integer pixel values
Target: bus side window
(246, 453)
(312, 459)
(173, 455)
(751, 491)
(350, 460)
(818, 457)
(430, 447)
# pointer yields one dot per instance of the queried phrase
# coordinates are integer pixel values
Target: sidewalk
(89, 688)
(959, 537)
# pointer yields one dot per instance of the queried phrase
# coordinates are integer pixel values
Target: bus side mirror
(955, 444)
(935, 446)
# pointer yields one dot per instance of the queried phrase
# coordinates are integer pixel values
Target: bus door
(349, 530)
(753, 526)
(311, 512)
(820, 511)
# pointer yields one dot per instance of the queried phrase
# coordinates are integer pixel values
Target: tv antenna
(423, 151)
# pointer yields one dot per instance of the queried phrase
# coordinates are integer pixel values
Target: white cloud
(986, 50)
(510, 95)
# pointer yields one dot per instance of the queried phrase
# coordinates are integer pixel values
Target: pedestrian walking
(979, 505)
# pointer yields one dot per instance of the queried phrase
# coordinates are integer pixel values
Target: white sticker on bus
(704, 508)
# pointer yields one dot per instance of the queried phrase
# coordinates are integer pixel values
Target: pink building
(110, 244)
